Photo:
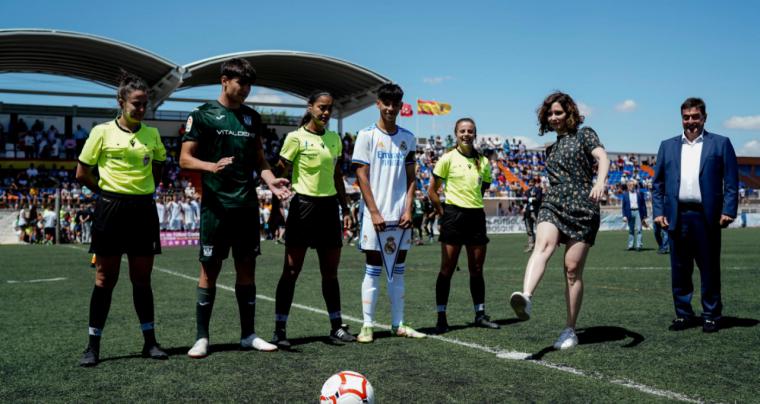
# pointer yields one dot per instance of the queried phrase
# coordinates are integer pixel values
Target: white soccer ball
(347, 387)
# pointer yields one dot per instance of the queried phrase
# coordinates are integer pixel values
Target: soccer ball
(347, 387)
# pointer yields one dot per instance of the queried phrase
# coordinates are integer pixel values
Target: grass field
(626, 352)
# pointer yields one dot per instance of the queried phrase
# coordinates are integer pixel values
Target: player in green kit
(223, 142)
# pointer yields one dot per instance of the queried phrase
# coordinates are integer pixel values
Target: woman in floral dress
(569, 213)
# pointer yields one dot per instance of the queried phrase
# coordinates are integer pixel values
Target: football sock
(100, 304)
(442, 287)
(280, 322)
(203, 308)
(478, 289)
(283, 300)
(396, 295)
(442, 315)
(142, 297)
(149, 333)
(331, 294)
(246, 299)
(370, 286)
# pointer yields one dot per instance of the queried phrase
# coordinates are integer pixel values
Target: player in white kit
(175, 222)
(384, 155)
(161, 211)
(188, 215)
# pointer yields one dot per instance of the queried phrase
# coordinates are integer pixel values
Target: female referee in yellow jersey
(467, 175)
(129, 156)
(313, 219)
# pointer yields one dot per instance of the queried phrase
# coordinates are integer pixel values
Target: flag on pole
(407, 110)
(433, 108)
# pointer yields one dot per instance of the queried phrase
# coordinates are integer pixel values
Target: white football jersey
(161, 211)
(386, 156)
(187, 212)
(174, 210)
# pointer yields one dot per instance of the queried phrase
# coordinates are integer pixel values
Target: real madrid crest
(402, 146)
(247, 120)
(390, 245)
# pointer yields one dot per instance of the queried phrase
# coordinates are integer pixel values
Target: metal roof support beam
(162, 90)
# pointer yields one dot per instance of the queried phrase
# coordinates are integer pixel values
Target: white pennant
(390, 244)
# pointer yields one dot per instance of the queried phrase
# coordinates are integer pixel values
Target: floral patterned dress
(570, 168)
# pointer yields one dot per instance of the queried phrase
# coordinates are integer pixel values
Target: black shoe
(154, 352)
(682, 323)
(441, 327)
(341, 335)
(280, 339)
(485, 322)
(710, 326)
(90, 357)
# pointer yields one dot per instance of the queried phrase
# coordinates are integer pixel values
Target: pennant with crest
(390, 244)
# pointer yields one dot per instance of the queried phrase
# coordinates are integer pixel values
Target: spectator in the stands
(80, 135)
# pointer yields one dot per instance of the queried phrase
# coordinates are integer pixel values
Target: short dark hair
(238, 68)
(390, 92)
(574, 118)
(694, 102)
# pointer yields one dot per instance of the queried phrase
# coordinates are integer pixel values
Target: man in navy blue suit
(694, 196)
(635, 214)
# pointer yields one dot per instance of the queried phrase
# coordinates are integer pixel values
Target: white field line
(39, 280)
(500, 353)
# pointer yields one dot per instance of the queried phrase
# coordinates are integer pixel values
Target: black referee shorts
(463, 226)
(125, 224)
(314, 222)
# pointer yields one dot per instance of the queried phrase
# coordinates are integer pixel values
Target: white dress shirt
(691, 153)
(633, 197)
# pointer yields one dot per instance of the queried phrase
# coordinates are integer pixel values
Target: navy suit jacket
(639, 199)
(718, 178)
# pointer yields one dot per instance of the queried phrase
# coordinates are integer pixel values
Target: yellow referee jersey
(124, 159)
(463, 179)
(313, 157)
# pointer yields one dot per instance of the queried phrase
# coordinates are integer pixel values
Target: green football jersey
(223, 132)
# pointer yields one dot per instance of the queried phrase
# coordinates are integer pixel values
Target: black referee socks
(100, 304)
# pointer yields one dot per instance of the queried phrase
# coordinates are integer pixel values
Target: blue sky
(630, 64)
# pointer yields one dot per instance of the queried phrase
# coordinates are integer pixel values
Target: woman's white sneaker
(521, 304)
(567, 339)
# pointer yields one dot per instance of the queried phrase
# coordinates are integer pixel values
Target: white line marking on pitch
(39, 280)
(500, 353)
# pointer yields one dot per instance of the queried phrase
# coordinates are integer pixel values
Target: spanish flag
(432, 108)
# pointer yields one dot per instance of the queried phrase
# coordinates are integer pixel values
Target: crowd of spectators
(31, 191)
(39, 141)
